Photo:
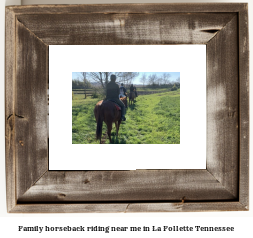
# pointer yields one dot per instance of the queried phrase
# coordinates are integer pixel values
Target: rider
(135, 92)
(112, 93)
(122, 91)
(131, 89)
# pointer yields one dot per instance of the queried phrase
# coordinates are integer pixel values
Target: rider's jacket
(122, 90)
(112, 90)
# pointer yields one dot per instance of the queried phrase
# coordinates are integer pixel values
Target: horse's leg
(116, 124)
(109, 127)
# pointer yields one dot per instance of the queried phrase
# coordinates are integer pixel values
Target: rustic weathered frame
(222, 186)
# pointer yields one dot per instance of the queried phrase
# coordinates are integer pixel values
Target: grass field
(153, 119)
(144, 89)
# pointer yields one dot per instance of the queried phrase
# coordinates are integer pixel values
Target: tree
(174, 88)
(152, 79)
(77, 84)
(165, 78)
(143, 78)
(104, 77)
(86, 83)
(159, 80)
(126, 77)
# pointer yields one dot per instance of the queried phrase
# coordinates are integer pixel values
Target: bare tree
(152, 79)
(159, 80)
(98, 77)
(86, 83)
(104, 77)
(176, 81)
(126, 77)
(143, 78)
(165, 78)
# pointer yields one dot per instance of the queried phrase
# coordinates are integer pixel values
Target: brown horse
(124, 100)
(107, 112)
(131, 97)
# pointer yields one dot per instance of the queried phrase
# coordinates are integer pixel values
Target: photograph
(126, 107)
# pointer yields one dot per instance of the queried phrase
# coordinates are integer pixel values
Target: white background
(9, 222)
(177, 58)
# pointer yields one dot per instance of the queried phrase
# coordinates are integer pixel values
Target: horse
(107, 111)
(131, 97)
(124, 100)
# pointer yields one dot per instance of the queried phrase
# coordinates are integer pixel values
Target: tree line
(158, 80)
(89, 79)
(102, 79)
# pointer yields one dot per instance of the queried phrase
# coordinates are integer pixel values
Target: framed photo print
(163, 127)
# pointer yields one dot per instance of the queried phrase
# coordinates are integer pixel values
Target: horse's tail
(99, 123)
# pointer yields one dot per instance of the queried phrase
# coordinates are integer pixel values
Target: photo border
(175, 156)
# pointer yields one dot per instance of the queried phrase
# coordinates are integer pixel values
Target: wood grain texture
(122, 29)
(129, 8)
(186, 207)
(9, 109)
(30, 109)
(129, 207)
(244, 106)
(222, 107)
(139, 185)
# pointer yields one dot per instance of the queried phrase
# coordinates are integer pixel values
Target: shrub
(95, 94)
(174, 88)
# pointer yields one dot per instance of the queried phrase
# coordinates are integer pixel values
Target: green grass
(144, 89)
(153, 119)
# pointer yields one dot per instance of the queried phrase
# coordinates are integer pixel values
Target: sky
(174, 76)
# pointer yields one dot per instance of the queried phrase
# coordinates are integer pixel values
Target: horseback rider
(135, 92)
(122, 91)
(112, 93)
(131, 88)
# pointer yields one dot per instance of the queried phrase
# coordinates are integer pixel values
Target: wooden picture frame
(222, 186)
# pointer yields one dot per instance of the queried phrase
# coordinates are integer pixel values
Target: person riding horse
(135, 92)
(112, 93)
(133, 89)
(122, 91)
